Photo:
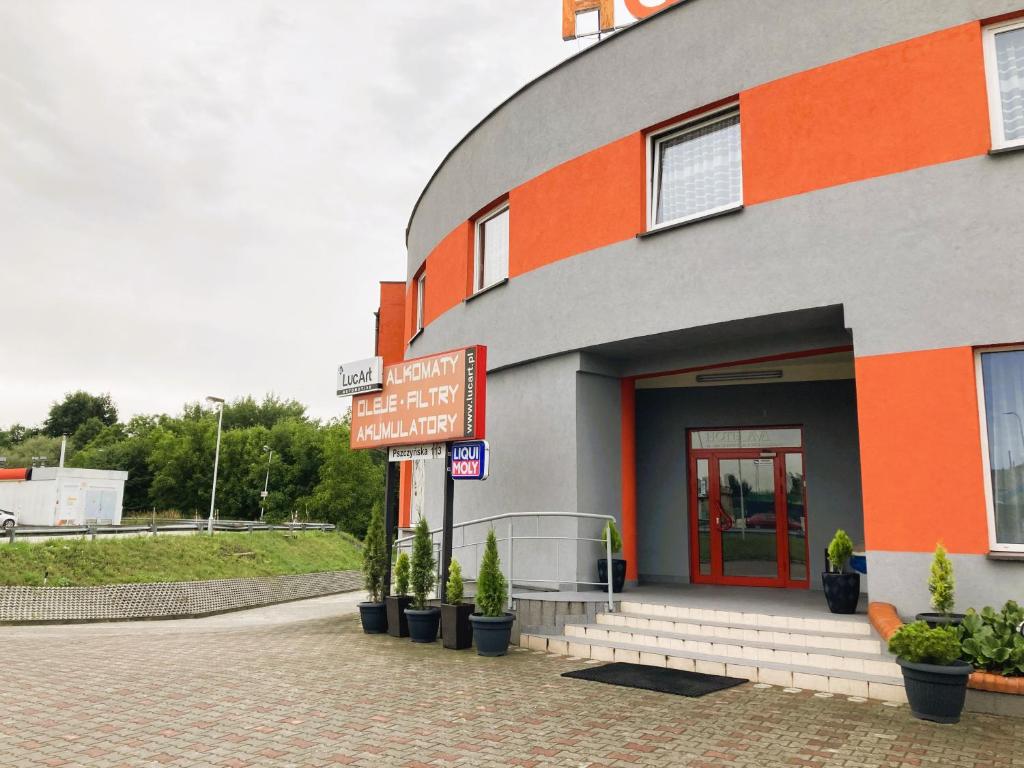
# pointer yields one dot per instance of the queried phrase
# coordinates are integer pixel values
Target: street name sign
(413, 452)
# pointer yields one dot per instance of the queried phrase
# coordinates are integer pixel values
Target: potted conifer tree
(398, 625)
(456, 631)
(492, 624)
(372, 612)
(842, 589)
(933, 674)
(423, 619)
(941, 586)
(618, 565)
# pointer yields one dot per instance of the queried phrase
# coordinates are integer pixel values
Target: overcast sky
(200, 197)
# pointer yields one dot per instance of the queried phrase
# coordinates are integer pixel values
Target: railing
(459, 533)
(93, 529)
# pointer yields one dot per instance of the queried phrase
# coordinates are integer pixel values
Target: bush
(454, 591)
(940, 581)
(840, 549)
(423, 564)
(920, 644)
(402, 575)
(610, 529)
(991, 640)
(374, 555)
(491, 587)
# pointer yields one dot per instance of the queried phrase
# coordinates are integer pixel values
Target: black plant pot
(618, 573)
(842, 591)
(397, 624)
(456, 631)
(941, 619)
(374, 618)
(423, 624)
(491, 634)
(936, 692)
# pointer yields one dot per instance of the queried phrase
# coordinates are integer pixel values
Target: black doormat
(676, 681)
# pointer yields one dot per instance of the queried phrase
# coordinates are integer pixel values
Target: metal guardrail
(156, 528)
(510, 538)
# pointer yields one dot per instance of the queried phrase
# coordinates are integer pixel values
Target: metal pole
(608, 555)
(390, 518)
(216, 461)
(449, 514)
(63, 447)
(266, 485)
(511, 560)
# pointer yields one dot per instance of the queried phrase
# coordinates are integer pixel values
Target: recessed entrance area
(748, 511)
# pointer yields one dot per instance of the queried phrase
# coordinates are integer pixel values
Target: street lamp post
(219, 402)
(266, 483)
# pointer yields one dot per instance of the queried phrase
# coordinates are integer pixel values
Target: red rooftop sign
(433, 399)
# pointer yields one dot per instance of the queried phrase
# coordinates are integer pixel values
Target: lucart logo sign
(605, 9)
(361, 376)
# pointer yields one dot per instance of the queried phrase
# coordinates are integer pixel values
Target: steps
(821, 654)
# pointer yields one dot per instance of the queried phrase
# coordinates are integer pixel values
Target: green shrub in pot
(423, 620)
(941, 586)
(372, 612)
(933, 674)
(399, 601)
(492, 624)
(456, 630)
(842, 590)
(991, 639)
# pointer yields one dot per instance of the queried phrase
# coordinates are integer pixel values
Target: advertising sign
(438, 398)
(411, 452)
(360, 376)
(470, 460)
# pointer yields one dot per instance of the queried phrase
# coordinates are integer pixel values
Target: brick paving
(321, 693)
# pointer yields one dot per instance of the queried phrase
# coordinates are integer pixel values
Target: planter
(423, 624)
(842, 591)
(941, 619)
(456, 631)
(618, 573)
(374, 618)
(491, 634)
(397, 624)
(936, 692)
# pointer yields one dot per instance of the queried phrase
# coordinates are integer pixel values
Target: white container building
(65, 496)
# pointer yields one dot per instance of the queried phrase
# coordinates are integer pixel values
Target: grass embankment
(194, 557)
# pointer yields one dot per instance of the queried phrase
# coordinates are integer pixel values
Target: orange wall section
(448, 272)
(590, 201)
(391, 322)
(920, 452)
(908, 105)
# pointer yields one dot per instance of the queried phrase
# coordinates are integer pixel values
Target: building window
(696, 170)
(421, 296)
(1004, 65)
(1001, 395)
(491, 263)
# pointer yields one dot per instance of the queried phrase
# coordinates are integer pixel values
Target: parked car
(7, 520)
(767, 520)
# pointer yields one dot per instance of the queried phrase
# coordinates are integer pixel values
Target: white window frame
(421, 289)
(478, 250)
(654, 143)
(993, 544)
(995, 105)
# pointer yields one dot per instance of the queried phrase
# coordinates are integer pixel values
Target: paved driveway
(300, 685)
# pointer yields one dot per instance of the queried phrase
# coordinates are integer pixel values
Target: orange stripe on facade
(911, 405)
(391, 323)
(913, 104)
(909, 105)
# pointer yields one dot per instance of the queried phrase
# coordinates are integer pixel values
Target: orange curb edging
(886, 621)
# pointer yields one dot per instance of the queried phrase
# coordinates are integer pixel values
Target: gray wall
(826, 410)
(901, 578)
(717, 48)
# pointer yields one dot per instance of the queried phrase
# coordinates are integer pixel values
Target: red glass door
(748, 522)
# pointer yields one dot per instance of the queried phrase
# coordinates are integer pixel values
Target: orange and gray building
(748, 273)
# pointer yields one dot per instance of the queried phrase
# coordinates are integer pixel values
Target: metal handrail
(511, 538)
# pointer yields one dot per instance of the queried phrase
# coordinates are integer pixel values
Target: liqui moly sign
(434, 399)
(605, 10)
(471, 460)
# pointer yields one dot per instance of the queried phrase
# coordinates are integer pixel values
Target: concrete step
(808, 676)
(846, 625)
(740, 650)
(747, 631)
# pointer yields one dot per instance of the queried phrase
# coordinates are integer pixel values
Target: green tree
(941, 582)
(350, 482)
(374, 556)
(20, 454)
(421, 577)
(78, 407)
(491, 585)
